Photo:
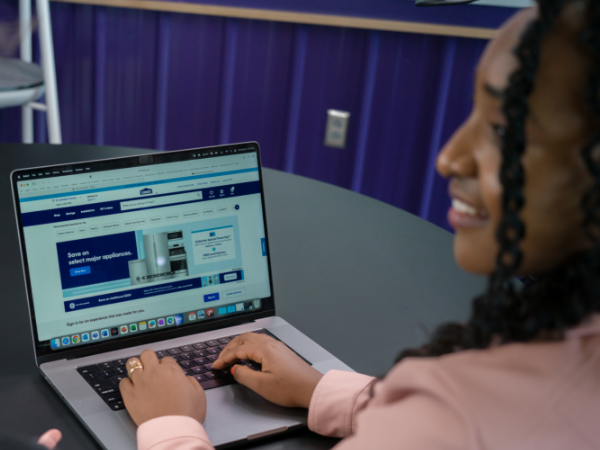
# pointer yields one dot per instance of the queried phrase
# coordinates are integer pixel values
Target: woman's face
(557, 128)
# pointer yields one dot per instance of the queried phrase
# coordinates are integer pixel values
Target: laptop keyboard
(195, 360)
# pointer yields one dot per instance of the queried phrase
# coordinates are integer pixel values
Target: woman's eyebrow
(498, 94)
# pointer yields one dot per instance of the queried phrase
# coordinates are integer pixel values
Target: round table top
(16, 74)
(360, 277)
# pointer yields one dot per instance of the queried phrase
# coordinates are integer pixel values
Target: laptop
(167, 251)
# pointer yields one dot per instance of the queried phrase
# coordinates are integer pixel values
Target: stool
(22, 82)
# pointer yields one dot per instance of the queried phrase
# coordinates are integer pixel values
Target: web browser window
(131, 250)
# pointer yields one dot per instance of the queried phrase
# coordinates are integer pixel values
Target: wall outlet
(337, 128)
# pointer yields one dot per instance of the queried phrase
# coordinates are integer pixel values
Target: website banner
(162, 289)
(128, 205)
(96, 260)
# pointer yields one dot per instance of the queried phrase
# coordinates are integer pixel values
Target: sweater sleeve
(417, 422)
(337, 399)
(172, 433)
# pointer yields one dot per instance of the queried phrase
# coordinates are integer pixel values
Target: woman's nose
(457, 156)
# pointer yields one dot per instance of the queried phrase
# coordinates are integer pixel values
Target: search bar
(160, 201)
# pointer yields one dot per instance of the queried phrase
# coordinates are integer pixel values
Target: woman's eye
(499, 131)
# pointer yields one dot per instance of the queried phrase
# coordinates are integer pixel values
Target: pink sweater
(519, 396)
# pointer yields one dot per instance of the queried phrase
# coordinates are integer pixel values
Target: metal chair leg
(48, 68)
(25, 35)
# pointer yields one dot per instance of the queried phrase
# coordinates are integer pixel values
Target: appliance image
(138, 272)
(177, 254)
(158, 261)
(165, 259)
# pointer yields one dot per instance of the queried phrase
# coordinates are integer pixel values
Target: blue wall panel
(170, 81)
(194, 83)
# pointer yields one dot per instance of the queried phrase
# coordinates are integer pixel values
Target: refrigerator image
(158, 261)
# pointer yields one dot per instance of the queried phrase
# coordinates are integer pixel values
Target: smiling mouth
(465, 208)
(464, 215)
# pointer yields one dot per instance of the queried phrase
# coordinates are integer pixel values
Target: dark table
(360, 277)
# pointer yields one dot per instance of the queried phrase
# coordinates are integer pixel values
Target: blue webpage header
(133, 185)
(114, 207)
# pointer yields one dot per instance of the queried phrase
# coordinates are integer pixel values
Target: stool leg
(45, 30)
(25, 35)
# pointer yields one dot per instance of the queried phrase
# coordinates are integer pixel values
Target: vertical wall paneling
(296, 94)
(195, 79)
(261, 86)
(169, 81)
(367, 104)
(440, 114)
(100, 72)
(333, 79)
(228, 71)
(162, 80)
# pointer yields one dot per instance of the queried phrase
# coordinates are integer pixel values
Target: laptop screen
(124, 247)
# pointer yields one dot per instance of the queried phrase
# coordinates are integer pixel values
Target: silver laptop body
(158, 251)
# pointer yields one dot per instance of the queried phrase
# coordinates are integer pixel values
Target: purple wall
(170, 81)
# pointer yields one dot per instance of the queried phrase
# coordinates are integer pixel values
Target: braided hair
(567, 295)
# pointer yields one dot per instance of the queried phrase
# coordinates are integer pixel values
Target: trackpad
(235, 412)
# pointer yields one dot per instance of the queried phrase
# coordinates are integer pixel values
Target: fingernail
(232, 369)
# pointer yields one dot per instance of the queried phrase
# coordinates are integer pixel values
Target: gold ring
(133, 366)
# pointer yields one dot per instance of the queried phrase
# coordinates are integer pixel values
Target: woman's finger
(250, 378)
(50, 438)
(244, 351)
(149, 359)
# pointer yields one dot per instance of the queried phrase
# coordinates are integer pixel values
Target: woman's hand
(161, 389)
(50, 438)
(285, 378)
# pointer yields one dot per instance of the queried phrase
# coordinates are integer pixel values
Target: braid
(566, 296)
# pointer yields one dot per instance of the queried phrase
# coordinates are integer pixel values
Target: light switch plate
(337, 128)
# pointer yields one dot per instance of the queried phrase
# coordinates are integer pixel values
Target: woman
(524, 372)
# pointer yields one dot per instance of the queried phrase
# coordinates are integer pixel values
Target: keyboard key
(208, 366)
(161, 354)
(110, 398)
(198, 369)
(251, 364)
(222, 347)
(106, 365)
(188, 372)
(108, 389)
(117, 406)
(177, 358)
(88, 369)
(101, 382)
(187, 364)
(120, 362)
(224, 340)
(106, 373)
(199, 346)
(233, 337)
(186, 348)
(186, 356)
(212, 358)
(92, 376)
(201, 361)
(212, 343)
(118, 378)
(214, 350)
(213, 374)
(209, 384)
(201, 353)
(200, 377)
(120, 370)
(174, 351)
